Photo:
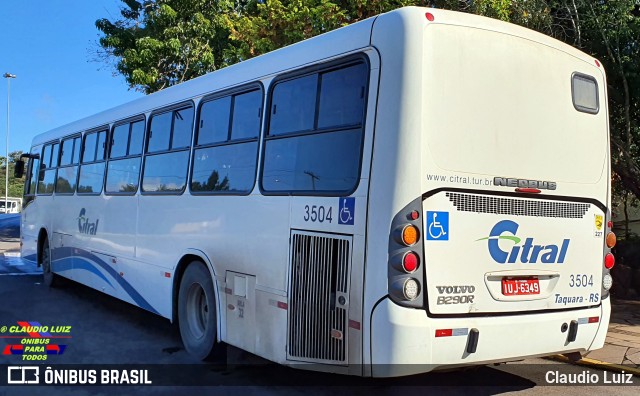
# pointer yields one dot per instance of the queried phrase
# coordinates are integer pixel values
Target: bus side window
(68, 170)
(47, 173)
(167, 157)
(32, 176)
(214, 121)
(225, 158)
(123, 169)
(92, 165)
(342, 97)
(293, 105)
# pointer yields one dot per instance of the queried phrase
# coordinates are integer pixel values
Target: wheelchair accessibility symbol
(437, 226)
(347, 211)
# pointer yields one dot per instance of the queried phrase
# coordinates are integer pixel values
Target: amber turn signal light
(611, 240)
(409, 235)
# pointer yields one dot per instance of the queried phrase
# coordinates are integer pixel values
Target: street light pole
(8, 76)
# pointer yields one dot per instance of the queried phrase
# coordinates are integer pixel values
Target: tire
(197, 313)
(50, 278)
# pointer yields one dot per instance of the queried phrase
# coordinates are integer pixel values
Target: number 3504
(580, 280)
(317, 213)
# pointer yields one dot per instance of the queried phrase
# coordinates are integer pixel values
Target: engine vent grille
(517, 206)
(319, 297)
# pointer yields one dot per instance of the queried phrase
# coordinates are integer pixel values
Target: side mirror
(18, 171)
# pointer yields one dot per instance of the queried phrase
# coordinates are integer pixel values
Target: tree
(16, 186)
(612, 34)
(159, 43)
(213, 183)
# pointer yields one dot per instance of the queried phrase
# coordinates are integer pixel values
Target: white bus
(423, 189)
(11, 205)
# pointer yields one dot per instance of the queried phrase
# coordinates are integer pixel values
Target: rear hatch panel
(475, 240)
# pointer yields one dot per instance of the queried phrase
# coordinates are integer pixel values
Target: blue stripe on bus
(92, 259)
(68, 263)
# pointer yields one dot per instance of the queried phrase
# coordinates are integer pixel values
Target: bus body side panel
(128, 241)
(243, 235)
(396, 150)
(330, 218)
(28, 233)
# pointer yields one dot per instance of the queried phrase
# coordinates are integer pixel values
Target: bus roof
(334, 43)
(330, 44)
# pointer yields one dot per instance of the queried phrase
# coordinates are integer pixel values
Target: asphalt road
(106, 331)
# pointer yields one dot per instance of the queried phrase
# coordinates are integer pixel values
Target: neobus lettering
(524, 183)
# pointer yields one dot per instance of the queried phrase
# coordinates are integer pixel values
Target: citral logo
(526, 253)
(84, 225)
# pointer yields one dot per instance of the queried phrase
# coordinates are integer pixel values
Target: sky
(50, 45)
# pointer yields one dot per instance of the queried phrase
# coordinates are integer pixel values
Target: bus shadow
(481, 380)
(171, 362)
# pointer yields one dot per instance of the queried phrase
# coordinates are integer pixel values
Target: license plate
(520, 286)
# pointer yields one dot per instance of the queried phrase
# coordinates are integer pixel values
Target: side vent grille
(319, 297)
(517, 207)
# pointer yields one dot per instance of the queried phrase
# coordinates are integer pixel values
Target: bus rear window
(585, 93)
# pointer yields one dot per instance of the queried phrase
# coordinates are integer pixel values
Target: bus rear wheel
(50, 278)
(197, 312)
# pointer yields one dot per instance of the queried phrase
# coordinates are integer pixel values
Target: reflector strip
(460, 332)
(282, 305)
(593, 319)
(444, 333)
(354, 324)
(452, 332)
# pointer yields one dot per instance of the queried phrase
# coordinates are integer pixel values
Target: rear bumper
(403, 340)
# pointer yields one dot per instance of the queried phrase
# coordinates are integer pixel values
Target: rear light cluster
(406, 267)
(609, 259)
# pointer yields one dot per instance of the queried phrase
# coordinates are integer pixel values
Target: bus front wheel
(50, 278)
(197, 312)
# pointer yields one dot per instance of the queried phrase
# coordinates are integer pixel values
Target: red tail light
(609, 261)
(410, 262)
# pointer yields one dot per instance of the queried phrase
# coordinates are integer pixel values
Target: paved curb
(598, 364)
